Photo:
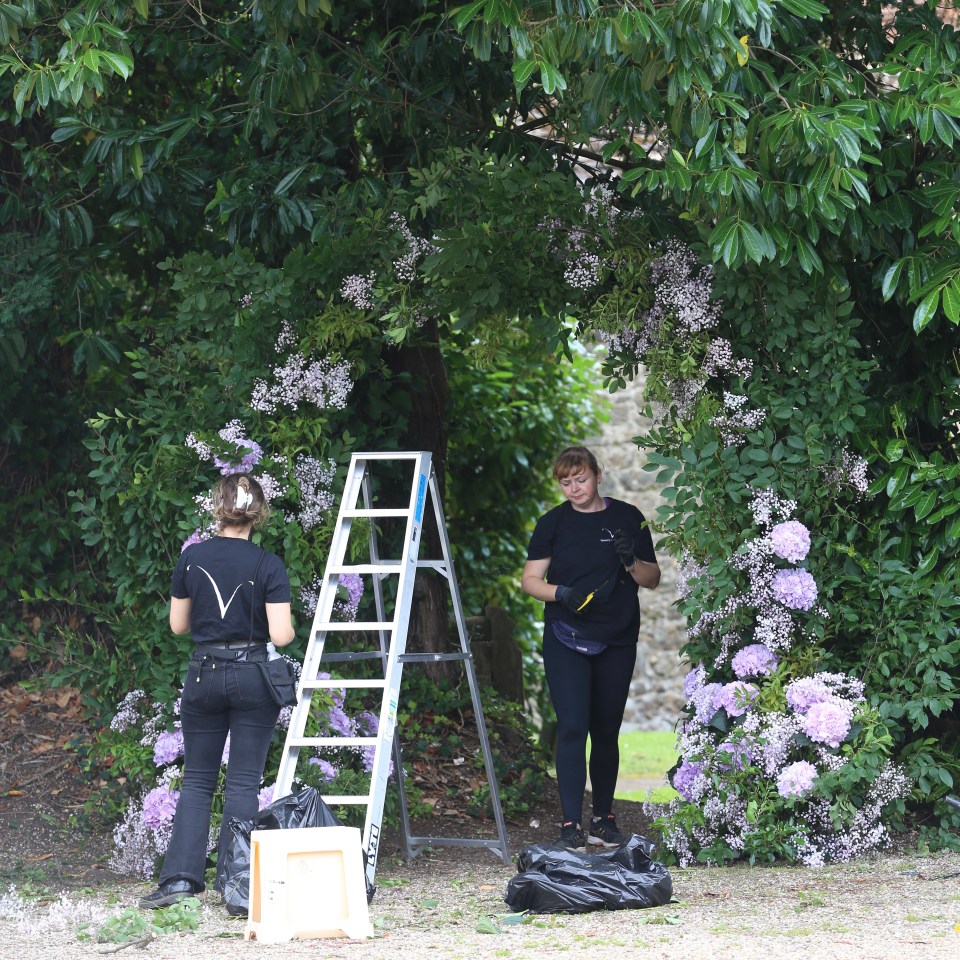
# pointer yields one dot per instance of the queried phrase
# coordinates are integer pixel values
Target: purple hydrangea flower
(704, 701)
(198, 536)
(159, 806)
(225, 756)
(352, 583)
(806, 691)
(693, 681)
(265, 796)
(327, 770)
(340, 723)
(790, 541)
(736, 697)
(828, 721)
(796, 779)
(367, 756)
(168, 747)
(685, 777)
(755, 660)
(367, 723)
(739, 755)
(795, 589)
(247, 461)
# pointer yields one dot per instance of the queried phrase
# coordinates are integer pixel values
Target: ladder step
(385, 566)
(375, 512)
(339, 801)
(334, 684)
(348, 657)
(432, 657)
(331, 741)
(355, 626)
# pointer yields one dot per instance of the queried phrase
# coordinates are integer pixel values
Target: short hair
(573, 460)
(225, 510)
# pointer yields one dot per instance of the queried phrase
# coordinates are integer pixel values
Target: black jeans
(589, 695)
(219, 696)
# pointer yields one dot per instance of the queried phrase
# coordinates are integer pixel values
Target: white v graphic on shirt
(224, 607)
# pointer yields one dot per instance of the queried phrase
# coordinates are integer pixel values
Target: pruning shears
(595, 591)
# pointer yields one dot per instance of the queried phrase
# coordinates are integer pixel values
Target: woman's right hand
(570, 599)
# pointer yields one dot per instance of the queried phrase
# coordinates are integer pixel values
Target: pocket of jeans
(194, 689)
(251, 689)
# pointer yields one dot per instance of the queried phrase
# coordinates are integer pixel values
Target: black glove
(571, 599)
(626, 547)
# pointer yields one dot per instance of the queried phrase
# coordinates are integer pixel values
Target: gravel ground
(888, 908)
(892, 907)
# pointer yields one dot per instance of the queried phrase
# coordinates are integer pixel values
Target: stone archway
(656, 696)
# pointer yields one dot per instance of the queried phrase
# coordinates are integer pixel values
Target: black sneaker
(604, 832)
(571, 837)
(169, 893)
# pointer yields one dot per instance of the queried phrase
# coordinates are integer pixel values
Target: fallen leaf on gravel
(44, 856)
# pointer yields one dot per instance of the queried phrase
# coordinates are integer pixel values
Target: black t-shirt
(216, 575)
(582, 555)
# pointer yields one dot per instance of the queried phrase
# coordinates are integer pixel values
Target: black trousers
(589, 695)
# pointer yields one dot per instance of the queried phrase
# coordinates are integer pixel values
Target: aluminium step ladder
(389, 648)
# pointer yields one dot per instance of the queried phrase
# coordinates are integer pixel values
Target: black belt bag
(281, 676)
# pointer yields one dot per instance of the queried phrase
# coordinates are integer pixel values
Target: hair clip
(244, 498)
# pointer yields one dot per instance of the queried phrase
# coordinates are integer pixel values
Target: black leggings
(589, 695)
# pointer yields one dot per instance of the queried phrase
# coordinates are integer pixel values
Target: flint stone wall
(656, 696)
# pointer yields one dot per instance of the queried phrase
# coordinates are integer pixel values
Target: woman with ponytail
(234, 599)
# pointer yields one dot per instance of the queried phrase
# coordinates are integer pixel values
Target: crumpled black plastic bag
(306, 808)
(551, 879)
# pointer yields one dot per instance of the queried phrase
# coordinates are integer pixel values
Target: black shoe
(571, 837)
(173, 891)
(604, 832)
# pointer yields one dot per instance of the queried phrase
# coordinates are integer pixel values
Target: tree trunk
(429, 628)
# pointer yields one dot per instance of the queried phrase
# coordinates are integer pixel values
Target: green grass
(647, 756)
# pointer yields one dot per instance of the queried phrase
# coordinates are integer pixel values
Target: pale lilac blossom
(358, 290)
(128, 712)
(314, 478)
(705, 701)
(737, 419)
(323, 383)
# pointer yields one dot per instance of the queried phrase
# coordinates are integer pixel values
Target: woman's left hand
(625, 546)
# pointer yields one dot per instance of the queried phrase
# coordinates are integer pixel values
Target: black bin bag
(553, 880)
(305, 808)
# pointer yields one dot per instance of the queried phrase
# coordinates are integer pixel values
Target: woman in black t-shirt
(233, 597)
(586, 559)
